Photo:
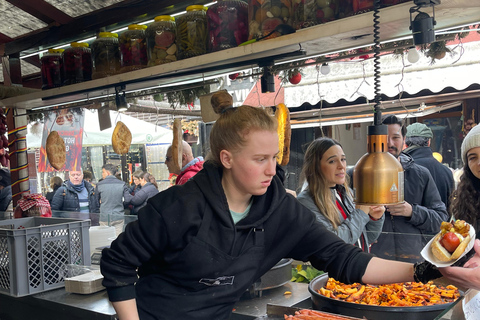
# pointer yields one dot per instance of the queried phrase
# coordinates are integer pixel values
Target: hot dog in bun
(452, 240)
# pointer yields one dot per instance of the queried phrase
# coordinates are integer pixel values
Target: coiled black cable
(376, 63)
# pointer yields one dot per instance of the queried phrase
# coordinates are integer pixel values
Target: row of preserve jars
(63, 67)
(224, 25)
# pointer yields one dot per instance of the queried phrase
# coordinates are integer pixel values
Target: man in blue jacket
(76, 195)
(410, 225)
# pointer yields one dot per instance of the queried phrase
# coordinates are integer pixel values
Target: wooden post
(17, 146)
(17, 132)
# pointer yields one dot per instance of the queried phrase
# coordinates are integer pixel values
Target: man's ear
(226, 159)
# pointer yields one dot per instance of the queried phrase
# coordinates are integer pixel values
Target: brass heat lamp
(378, 176)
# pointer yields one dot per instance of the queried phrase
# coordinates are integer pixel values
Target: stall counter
(60, 305)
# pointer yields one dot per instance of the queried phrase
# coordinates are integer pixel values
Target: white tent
(142, 132)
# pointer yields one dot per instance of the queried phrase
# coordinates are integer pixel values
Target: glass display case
(155, 154)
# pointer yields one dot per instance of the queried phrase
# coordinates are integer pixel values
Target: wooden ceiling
(32, 25)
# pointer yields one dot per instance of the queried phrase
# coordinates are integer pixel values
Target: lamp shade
(423, 29)
(267, 82)
(378, 177)
(121, 102)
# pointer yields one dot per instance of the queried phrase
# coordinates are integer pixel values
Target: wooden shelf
(355, 31)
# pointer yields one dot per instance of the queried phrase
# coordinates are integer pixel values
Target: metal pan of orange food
(372, 312)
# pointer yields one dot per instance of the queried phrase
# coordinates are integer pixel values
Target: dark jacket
(49, 195)
(195, 263)
(442, 175)
(5, 198)
(134, 188)
(403, 238)
(66, 198)
(109, 193)
(139, 200)
(352, 228)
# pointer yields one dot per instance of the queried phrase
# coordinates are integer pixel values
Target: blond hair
(220, 100)
(234, 124)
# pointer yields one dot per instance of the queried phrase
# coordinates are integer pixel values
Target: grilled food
(408, 294)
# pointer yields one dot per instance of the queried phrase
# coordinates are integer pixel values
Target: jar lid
(164, 18)
(56, 50)
(196, 7)
(137, 27)
(107, 35)
(79, 44)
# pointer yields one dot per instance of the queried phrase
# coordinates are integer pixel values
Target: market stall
(149, 143)
(164, 72)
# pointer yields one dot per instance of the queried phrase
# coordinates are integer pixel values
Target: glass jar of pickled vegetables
(77, 63)
(105, 55)
(133, 48)
(161, 35)
(227, 24)
(308, 13)
(264, 16)
(52, 69)
(362, 5)
(192, 32)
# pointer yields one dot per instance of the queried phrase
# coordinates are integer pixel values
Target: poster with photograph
(69, 125)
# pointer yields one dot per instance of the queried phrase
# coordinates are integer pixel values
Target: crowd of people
(110, 199)
(106, 202)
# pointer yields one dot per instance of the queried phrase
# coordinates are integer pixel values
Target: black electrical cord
(377, 120)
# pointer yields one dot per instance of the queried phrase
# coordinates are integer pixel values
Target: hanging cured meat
(121, 138)
(284, 134)
(177, 145)
(56, 153)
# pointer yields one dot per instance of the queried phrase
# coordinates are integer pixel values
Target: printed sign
(69, 125)
(471, 305)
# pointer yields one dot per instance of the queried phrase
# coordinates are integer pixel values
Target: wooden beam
(15, 69)
(34, 60)
(4, 38)
(43, 11)
(17, 142)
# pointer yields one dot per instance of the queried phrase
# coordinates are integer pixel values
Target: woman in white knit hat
(466, 199)
(464, 205)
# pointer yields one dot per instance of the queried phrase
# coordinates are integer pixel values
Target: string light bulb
(413, 56)
(325, 69)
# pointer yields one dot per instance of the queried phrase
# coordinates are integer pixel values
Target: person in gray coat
(327, 195)
(109, 192)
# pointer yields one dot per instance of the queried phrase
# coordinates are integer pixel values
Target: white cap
(472, 140)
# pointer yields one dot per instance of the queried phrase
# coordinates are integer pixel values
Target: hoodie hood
(406, 160)
(209, 181)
